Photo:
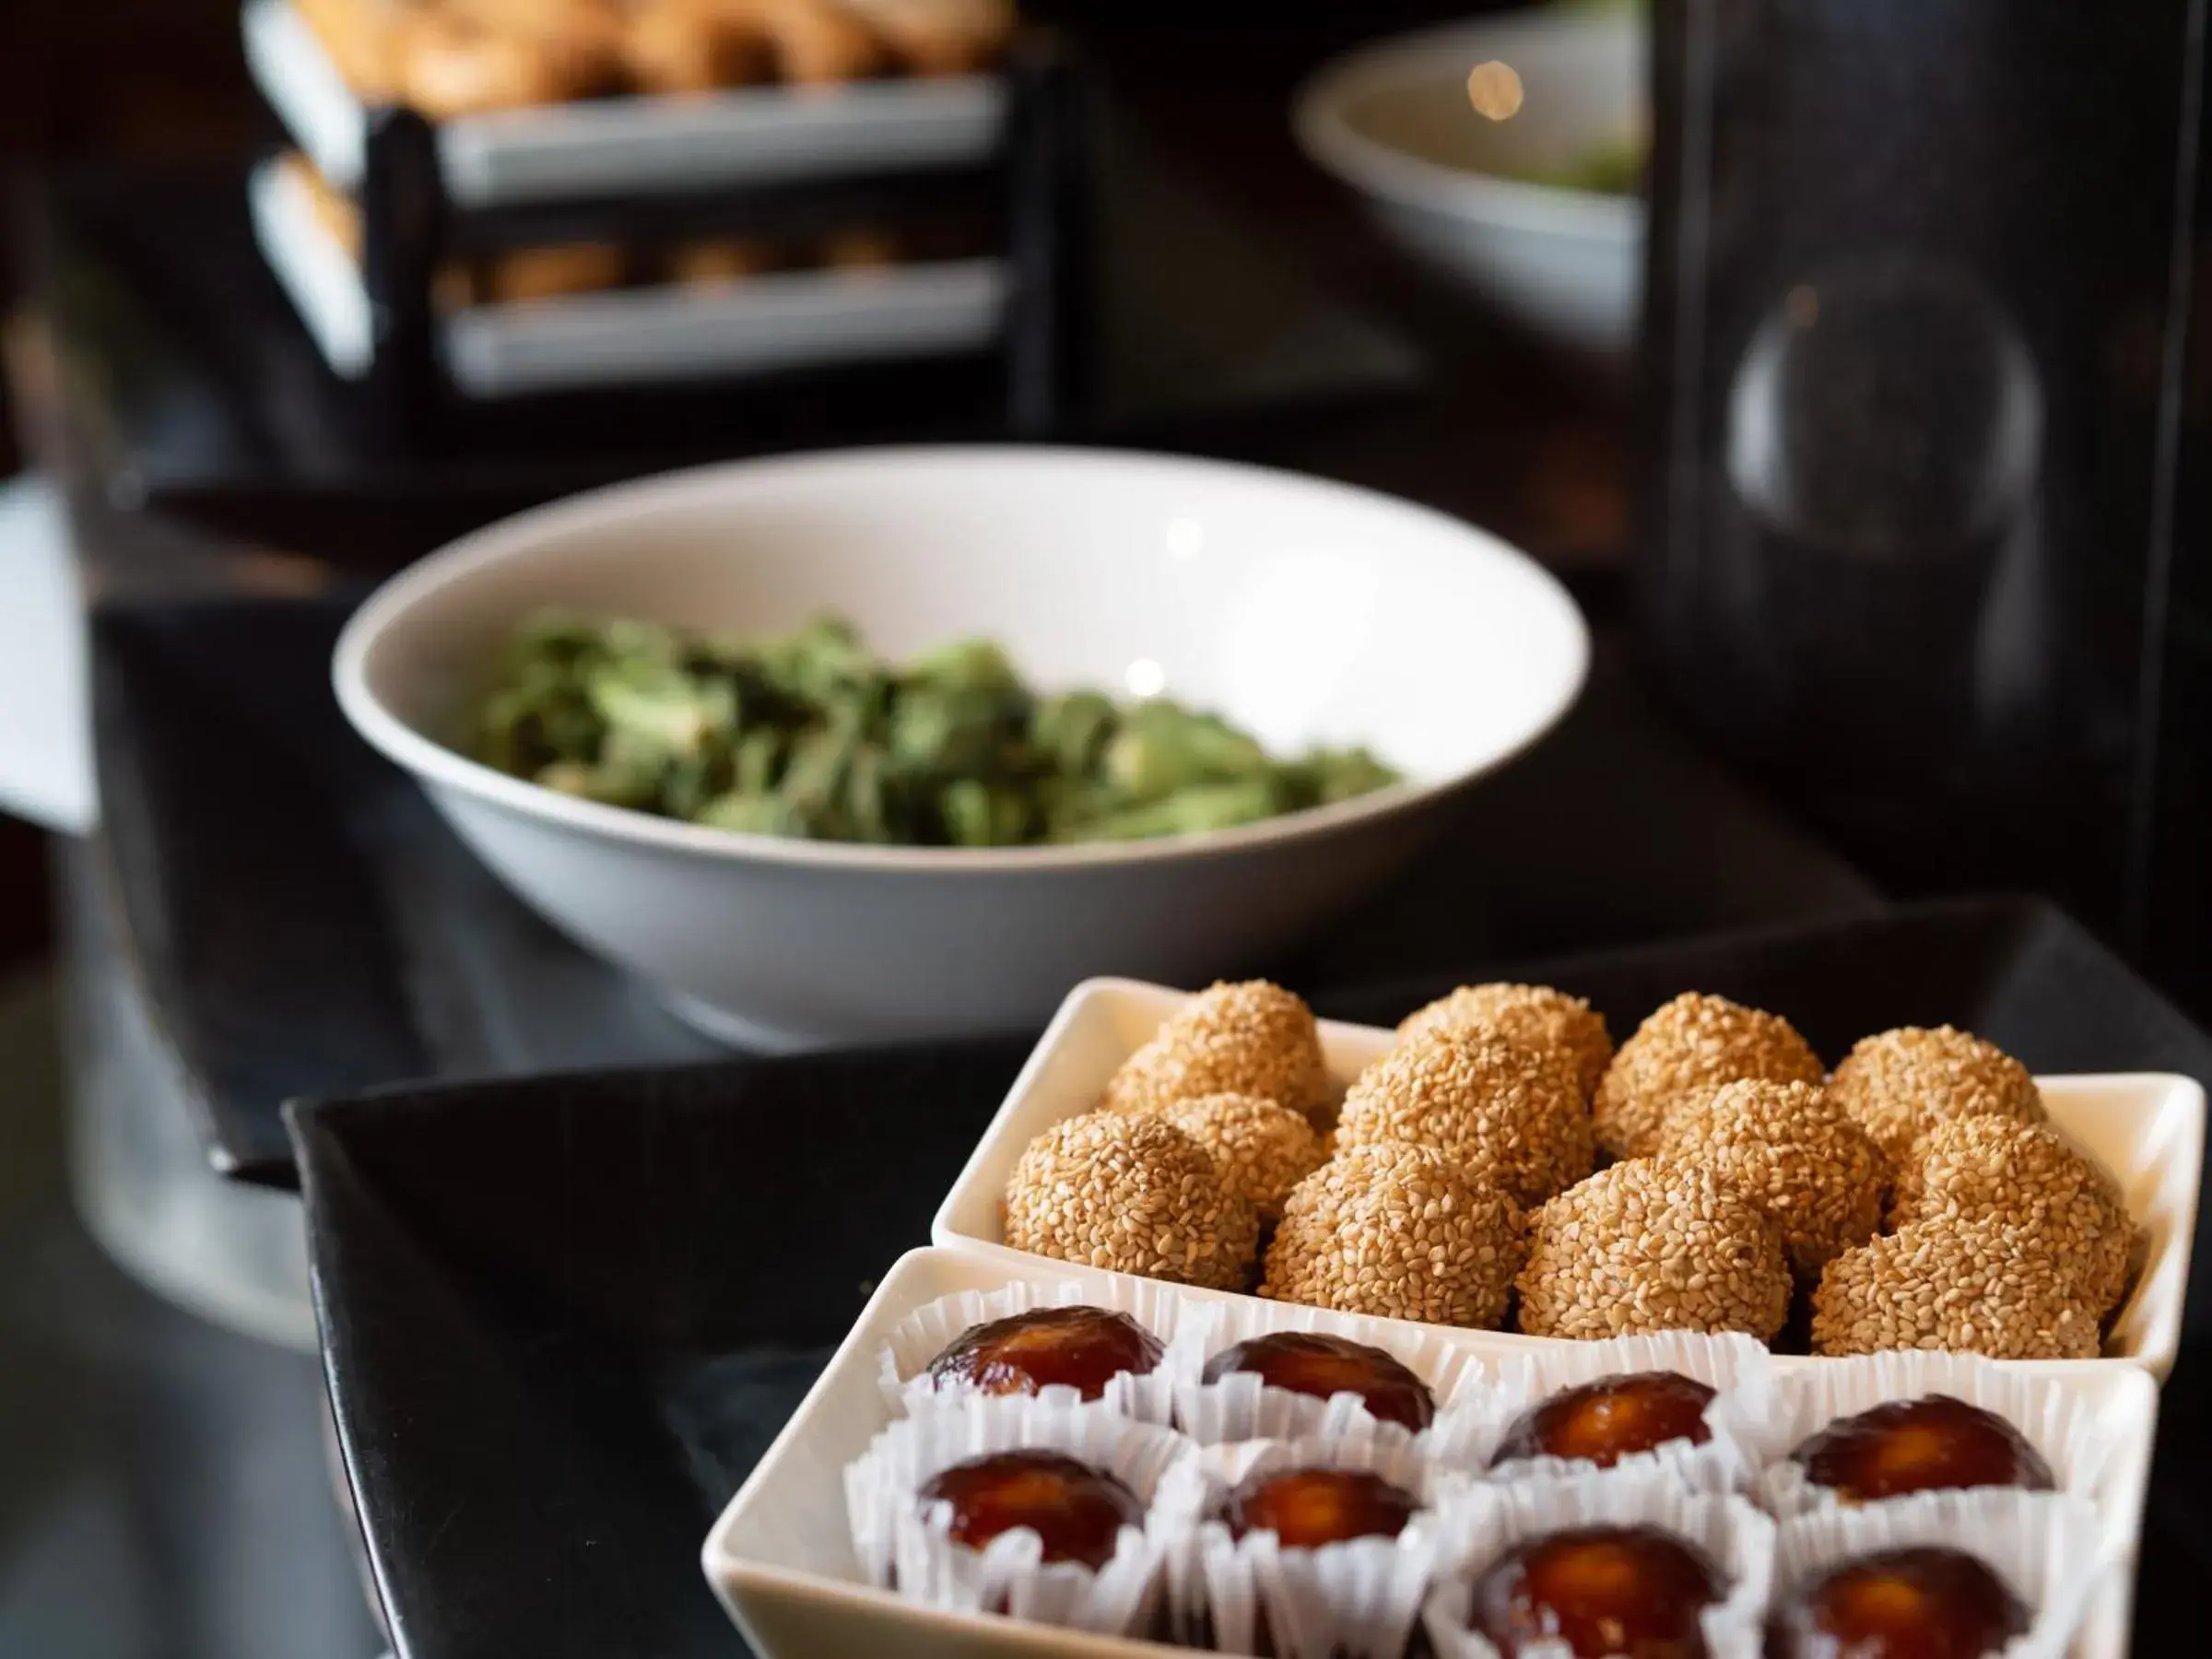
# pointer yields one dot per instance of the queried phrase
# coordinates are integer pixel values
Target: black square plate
(564, 1315)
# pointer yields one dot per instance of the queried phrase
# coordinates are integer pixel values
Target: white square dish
(2148, 1129)
(781, 1558)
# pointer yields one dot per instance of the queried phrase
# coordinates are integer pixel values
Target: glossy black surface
(1923, 532)
(201, 394)
(563, 1316)
(307, 924)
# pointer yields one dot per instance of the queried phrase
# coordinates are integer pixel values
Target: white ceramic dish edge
(773, 1556)
(1103, 1020)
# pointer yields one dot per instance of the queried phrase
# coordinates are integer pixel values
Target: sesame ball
(1695, 1042)
(1397, 1231)
(1901, 1084)
(1990, 1168)
(1536, 1014)
(1651, 1244)
(1795, 1154)
(1978, 1286)
(1262, 1150)
(1251, 1039)
(1502, 1111)
(1134, 1193)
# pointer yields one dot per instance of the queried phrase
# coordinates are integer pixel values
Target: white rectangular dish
(628, 146)
(780, 1558)
(2148, 1129)
(776, 321)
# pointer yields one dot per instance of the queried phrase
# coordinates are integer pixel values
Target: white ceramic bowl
(1394, 122)
(1305, 611)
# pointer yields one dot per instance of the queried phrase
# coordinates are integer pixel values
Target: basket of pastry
(489, 202)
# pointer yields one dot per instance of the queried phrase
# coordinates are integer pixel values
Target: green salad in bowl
(813, 734)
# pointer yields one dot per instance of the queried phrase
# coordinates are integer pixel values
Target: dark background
(164, 80)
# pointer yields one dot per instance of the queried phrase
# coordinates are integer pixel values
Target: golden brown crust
(1797, 1155)
(689, 46)
(1537, 1014)
(361, 39)
(1253, 1038)
(816, 43)
(1500, 1110)
(1989, 1167)
(1651, 1245)
(1262, 1150)
(1397, 1231)
(1901, 1084)
(1693, 1042)
(942, 37)
(1976, 1287)
(1135, 1193)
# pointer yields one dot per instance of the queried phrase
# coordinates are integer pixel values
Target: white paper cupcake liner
(2047, 1545)
(1482, 1521)
(1181, 1324)
(1240, 1407)
(1358, 1599)
(2080, 1447)
(1742, 1418)
(900, 1547)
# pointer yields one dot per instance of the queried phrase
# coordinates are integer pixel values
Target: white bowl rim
(513, 538)
(1333, 143)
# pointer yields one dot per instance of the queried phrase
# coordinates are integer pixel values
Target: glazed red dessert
(1607, 1420)
(1921, 1603)
(1083, 1348)
(1604, 1590)
(1930, 1445)
(1076, 1510)
(1307, 1363)
(1307, 1508)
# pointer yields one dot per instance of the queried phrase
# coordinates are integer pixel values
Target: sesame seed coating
(1651, 1245)
(1134, 1193)
(1253, 1038)
(1500, 1110)
(1990, 1168)
(1536, 1014)
(1397, 1231)
(1901, 1084)
(1262, 1150)
(1980, 1287)
(1695, 1042)
(1795, 1154)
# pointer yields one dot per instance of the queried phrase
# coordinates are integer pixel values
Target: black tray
(200, 394)
(563, 1317)
(303, 923)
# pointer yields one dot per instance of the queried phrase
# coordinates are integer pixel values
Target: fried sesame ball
(1253, 1039)
(1134, 1193)
(1262, 1150)
(1399, 1231)
(1695, 1042)
(1901, 1084)
(1500, 1109)
(1536, 1014)
(1991, 1168)
(1795, 1154)
(1651, 1244)
(1979, 1287)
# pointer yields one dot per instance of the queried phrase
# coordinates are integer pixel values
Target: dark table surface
(163, 1490)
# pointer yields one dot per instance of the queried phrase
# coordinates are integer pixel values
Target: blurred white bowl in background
(1395, 123)
(1306, 611)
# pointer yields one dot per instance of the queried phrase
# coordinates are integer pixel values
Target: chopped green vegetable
(811, 735)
